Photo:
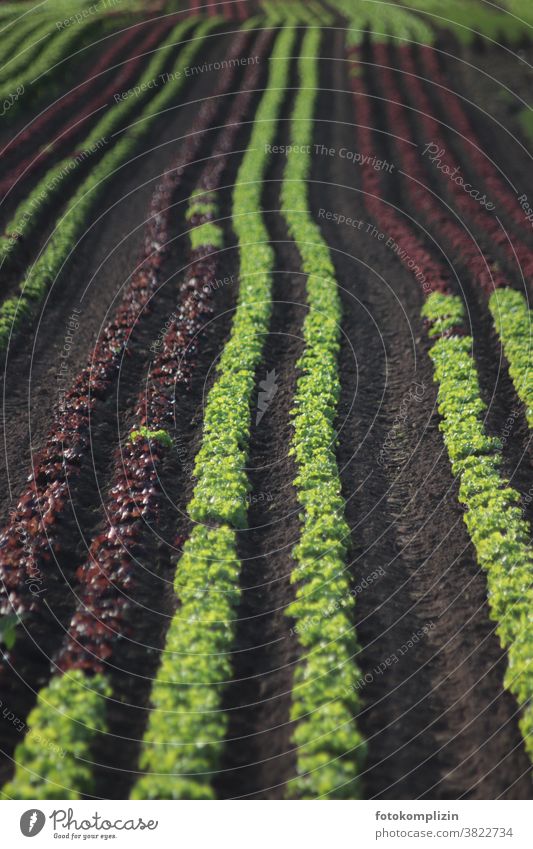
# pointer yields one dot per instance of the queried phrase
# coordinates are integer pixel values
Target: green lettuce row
(385, 21)
(25, 41)
(467, 20)
(206, 234)
(330, 749)
(284, 14)
(70, 712)
(54, 759)
(14, 38)
(57, 47)
(186, 728)
(28, 214)
(494, 516)
(512, 319)
(143, 432)
(55, 9)
(14, 311)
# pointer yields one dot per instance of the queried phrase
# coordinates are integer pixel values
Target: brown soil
(111, 420)
(259, 757)
(91, 282)
(438, 723)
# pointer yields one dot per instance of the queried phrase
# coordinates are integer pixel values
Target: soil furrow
(428, 717)
(92, 281)
(135, 662)
(82, 515)
(31, 157)
(505, 416)
(258, 759)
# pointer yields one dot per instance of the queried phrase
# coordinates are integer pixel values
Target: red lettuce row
(493, 516)
(103, 97)
(110, 580)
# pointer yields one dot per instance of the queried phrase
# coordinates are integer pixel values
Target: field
(267, 399)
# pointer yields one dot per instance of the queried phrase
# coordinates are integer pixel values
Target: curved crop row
(512, 320)
(27, 216)
(15, 310)
(469, 21)
(493, 518)
(101, 98)
(30, 44)
(457, 118)
(104, 63)
(469, 207)
(15, 38)
(324, 700)
(55, 50)
(73, 706)
(484, 270)
(186, 728)
(430, 274)
(109, 580)
(385, 20)
(26, 542)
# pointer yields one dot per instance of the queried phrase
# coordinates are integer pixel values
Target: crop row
(484, 270)
(385, 21)
(28, 215)
(73, 223)
(111, 579)
(27, 542)
(29, 45)
(73, 123)
(34, 77)
(431, 275)
(493, 516)
(72, 709)
(470, 20)
(14, 38)
(329, 748)
(470, 208)
(457, 117)
(187, 728)
(509, 308)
